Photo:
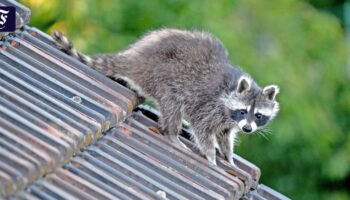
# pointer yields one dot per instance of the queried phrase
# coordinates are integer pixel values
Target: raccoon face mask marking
(250, 107)
(250, 120)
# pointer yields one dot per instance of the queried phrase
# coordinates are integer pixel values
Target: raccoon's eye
(243, 112)
(258, 115)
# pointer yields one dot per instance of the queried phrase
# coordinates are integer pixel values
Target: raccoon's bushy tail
(106, 64)
(99, 62)
(66, 46)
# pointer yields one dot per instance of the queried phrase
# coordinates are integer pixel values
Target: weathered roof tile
(50, 110)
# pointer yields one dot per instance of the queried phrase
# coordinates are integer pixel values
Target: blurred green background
(299, 45)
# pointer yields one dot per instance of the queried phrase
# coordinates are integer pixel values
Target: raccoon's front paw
(226, 155)
(232, 163)
(229, 159)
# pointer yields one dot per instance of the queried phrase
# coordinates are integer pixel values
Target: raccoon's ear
(243, 85)
(271, 91)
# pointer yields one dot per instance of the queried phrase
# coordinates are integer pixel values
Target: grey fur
(187, 73)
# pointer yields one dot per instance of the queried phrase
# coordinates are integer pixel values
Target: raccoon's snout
(247, 128)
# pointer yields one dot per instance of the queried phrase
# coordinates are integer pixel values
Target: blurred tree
(326, 3)
(335, 7)
(288, 43)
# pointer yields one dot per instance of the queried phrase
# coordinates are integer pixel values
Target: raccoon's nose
(247, 128)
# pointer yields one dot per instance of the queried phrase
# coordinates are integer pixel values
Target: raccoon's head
(249, 106)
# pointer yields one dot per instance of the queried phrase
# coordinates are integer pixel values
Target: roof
(68, 132)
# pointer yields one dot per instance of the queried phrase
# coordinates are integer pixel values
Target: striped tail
(66, 46)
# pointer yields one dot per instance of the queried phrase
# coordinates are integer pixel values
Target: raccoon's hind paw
(211, 157)
(212, 161)
(174, 139)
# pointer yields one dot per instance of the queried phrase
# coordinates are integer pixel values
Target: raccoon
(188, 74)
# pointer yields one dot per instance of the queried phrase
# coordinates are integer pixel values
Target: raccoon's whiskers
(236, 141)
(264, 132)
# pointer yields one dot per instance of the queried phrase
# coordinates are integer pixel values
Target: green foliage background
(285, 42)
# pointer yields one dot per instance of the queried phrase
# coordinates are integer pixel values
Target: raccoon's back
(190, 48)
(186, 60)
